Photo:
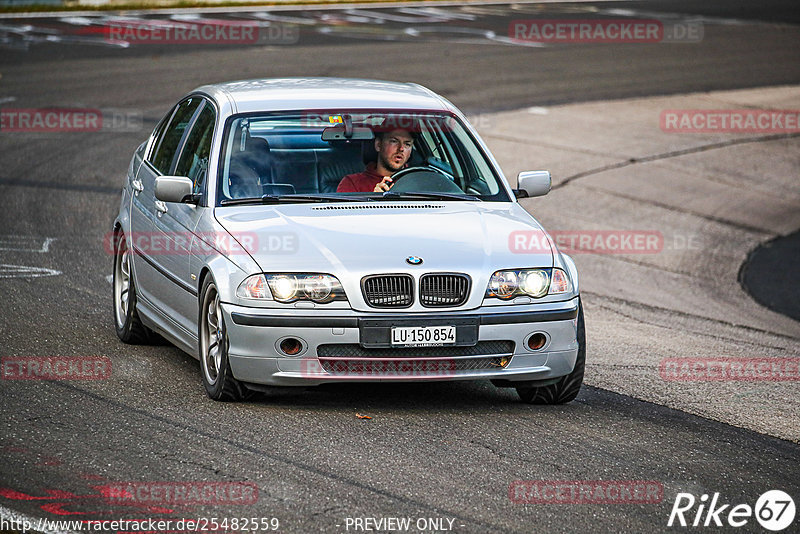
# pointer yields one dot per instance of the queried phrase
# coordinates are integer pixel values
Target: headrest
(256, 144)
(244, 142)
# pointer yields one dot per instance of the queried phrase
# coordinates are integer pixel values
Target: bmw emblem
(414, 260)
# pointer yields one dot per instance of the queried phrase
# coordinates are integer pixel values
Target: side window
(165, 149)
(193, 161)
(158, 134)
(441, 147)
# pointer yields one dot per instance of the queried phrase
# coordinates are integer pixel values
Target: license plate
(423, 336)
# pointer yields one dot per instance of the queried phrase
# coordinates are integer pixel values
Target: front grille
(388, 291)
(354, 350)
(409, 368)
(437, 290)
(354, 361)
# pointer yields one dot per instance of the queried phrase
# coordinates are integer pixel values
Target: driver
(394, 150)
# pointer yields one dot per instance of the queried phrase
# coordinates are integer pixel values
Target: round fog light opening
(537, 341)
(291, 346)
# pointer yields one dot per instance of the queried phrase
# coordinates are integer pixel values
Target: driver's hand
(383, 185)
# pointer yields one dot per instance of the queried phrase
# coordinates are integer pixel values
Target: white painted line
(137, 22)
(386, 16)
(196, 18)
(41, 525)
(537, 110)
(516, 42)
(436, 12)
(426, 20)
(77, 21)
(658, 15)
(23, 271)
(287, 20)
(110, 278)
(25, 28)
(21, 243)
(7, 99)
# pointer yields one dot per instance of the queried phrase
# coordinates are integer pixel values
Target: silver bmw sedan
(293, 232)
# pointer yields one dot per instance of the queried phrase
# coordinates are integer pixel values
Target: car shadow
(466, 396)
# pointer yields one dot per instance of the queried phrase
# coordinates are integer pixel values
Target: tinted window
(193, 161)
(165, 149)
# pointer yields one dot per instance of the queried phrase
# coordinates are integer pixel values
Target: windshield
(353, 156)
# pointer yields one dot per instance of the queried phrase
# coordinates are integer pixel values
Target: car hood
(379, 236)
(354, 239)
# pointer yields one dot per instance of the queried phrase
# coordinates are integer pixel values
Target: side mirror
(533, 184)
(174, 189)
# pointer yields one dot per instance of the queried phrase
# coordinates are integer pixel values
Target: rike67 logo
(774, 510)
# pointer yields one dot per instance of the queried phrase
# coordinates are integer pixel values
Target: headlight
(534, 283)
(284, 288)
(320, 288)
(503, 285)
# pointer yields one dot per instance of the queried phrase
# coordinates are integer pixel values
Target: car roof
(279, 94)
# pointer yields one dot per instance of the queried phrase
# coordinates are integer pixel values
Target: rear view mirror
(533, 184)
(338, 133)
(173, 188)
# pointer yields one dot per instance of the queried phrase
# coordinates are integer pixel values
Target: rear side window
(166, 144)
(193, 161)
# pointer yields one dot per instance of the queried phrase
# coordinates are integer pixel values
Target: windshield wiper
(393, 195)
(289, 199)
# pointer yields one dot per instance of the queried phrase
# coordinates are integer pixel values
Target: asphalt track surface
(431, 451)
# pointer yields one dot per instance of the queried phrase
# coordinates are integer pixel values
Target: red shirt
(361, 182)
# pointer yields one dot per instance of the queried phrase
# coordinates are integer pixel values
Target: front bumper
(334, 351)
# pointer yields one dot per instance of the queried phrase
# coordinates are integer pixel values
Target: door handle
(137, 186)
(161, 207)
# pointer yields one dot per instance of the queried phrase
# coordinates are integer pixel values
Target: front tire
(567, 388)
(126, 319)
(215, 367)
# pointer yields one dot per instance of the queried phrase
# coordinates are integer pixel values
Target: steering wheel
(423, 179)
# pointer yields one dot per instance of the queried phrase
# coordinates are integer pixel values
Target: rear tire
(126, 319)
(215, 367)
(567, 388)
